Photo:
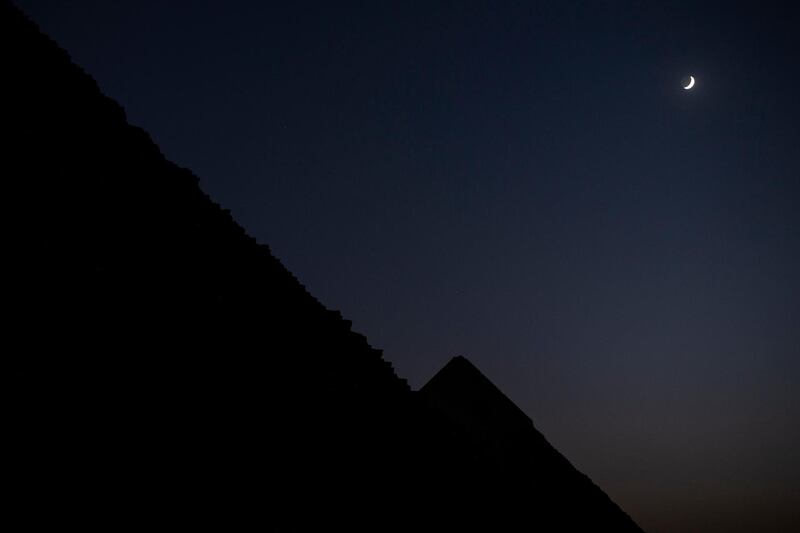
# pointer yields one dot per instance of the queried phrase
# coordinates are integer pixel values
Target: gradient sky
(525, 184)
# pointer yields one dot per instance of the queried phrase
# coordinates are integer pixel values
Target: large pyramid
(164, 369)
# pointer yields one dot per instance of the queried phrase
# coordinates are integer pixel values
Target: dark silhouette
(163, 368)
(516, 460)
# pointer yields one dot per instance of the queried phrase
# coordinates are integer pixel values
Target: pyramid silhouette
(164, 368)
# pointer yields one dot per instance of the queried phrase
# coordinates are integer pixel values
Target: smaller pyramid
(468, 398)
(532, 485)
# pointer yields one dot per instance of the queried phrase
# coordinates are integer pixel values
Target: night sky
(525, 184)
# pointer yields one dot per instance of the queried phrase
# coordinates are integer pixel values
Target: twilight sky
(525, 184)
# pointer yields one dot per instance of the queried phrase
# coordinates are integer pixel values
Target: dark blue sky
(525, 184)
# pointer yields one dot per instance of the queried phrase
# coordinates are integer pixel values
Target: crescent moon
(691, 83)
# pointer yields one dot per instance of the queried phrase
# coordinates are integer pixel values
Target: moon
(691, 83)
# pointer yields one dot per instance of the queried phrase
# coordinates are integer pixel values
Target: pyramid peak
(460, 387)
